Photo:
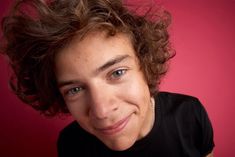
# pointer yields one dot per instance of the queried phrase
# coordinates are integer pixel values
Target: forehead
(92, 51)
(96, 44)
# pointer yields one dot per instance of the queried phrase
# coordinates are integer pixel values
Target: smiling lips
(117, 127)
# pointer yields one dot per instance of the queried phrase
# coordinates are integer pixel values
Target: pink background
(203, 34)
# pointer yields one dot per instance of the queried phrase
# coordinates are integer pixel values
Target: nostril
(102, 103)
(115, 109)
(102, 110)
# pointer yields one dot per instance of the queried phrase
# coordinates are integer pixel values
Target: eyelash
(73, 91)
(119, 73)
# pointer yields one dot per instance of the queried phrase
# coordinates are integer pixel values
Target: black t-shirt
(181, 129)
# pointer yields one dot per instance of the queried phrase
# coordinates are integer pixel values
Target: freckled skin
(114, 103)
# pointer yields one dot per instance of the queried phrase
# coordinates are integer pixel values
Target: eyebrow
(111, 62)
(64, 83)
(105, 66)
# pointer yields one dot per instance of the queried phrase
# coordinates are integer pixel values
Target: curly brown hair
(36, 30)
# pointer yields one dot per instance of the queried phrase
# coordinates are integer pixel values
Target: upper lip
(115, 125)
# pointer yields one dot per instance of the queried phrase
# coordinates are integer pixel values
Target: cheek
(139, 87)
(137, 90)
(77, 110)
(79, 113)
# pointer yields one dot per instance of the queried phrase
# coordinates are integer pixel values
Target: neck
(150, 119)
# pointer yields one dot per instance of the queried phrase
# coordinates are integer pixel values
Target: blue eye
(74, 91)
(118, 73)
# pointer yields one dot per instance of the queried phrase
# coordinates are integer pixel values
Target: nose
(102, 102)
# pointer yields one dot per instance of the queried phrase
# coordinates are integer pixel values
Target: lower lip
(117, 129)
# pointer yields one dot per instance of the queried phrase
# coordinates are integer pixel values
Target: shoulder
(185, 109)
(177, 98)
(172, 103)
(74, 140)
(69, 133)
(73, 132)
(73, 126)
(187, 115)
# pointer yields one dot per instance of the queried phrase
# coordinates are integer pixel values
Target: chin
(120, 145)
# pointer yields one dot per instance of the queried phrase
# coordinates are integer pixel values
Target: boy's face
(104, 89)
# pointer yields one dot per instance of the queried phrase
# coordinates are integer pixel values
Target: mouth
(115, 128)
